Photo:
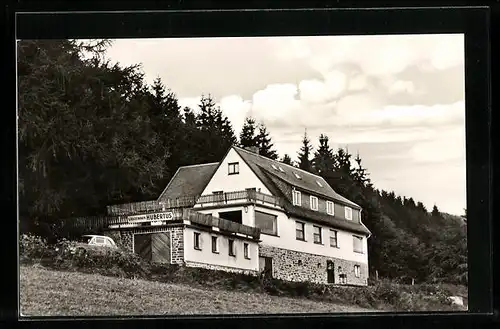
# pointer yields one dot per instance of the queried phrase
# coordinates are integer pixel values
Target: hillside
(54, 293)
(117, 139)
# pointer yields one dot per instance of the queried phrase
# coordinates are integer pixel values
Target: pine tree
(287, 160)
(264, 143)
(342, 161)
(435, 212)
(217, 133)
(421, 207)
(305, 154)
(323, 161)
(360, 174)
(189, 117)
(247, 135)
(158, 96)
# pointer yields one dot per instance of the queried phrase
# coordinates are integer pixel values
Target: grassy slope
(45, 292)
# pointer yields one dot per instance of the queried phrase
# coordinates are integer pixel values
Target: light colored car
(92, 242)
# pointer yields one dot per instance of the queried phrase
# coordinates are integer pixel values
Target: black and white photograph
(242, 175)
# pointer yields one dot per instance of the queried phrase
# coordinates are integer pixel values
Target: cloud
(321, 91)
(401, 86)
(375, 91)
(375, 54)
(236, 109)
(191, 102)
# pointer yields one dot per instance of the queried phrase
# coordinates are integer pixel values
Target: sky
(398, 100)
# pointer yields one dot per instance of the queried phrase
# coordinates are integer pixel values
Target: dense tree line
(92, 133)
(407, 241)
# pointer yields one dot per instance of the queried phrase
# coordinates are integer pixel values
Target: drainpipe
(360, 211)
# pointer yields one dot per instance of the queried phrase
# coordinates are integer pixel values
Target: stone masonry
(221, 268)
(298, 266)
(124, 239)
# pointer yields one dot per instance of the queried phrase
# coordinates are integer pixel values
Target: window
(314, 202)
(281, 169)
(245, 251)
(296, 198)
(196, 241)
(231, 248)
(348, 213)
(274, 167)
(300, 231)
(297, 175)
(266, 222)
(319, 183)
(357, 244)
(317, 235)
(333, 239)
(215, 247)
(330, 210)
(357, 271)
(233, 168)
(99, 240)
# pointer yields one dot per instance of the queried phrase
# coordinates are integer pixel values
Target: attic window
(274, 167)
(319, 183)
(281, 169)
(297, 175)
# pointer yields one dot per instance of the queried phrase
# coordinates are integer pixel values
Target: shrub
(33, 247)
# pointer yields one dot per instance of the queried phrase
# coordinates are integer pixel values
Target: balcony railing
(190, 201)
(222, 224)
(97, 223)
(233, 197)
(151, 206)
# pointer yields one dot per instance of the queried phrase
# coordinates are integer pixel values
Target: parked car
(87, 242)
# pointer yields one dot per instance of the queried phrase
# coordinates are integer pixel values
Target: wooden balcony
(134, 208)
(99, 223)
(222, 224)
(229, 198)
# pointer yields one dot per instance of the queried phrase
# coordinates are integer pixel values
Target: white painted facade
(221, 181)
(286, 239)
(286, 234)
(220, 258)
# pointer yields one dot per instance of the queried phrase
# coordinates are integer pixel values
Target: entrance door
(266, 265)
(142, 246)
(160, 247)
(330, 272)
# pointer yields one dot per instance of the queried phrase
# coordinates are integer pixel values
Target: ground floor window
(196, 241)
(245, 251)
(215, 247)
(231, 248)
(357, 271)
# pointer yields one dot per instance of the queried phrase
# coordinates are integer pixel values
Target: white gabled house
(250, 214)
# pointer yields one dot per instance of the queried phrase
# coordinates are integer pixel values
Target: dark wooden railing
(248, 195)
(99, 223)
(135, 208)
(222, 224)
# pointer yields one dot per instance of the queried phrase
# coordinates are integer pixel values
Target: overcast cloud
(398, 100)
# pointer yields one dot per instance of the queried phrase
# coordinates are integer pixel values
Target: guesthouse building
(249, 214)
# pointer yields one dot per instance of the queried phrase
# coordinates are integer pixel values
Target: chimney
(253, 149)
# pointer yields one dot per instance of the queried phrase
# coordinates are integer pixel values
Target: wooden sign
(156, 218)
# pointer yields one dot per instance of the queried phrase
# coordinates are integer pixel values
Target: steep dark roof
(311, 215)
(323, 218)
(308, 182)
(189, 181)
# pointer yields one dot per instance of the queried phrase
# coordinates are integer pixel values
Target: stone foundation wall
(124, 239)
(298, 266)
(221, 268)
